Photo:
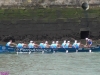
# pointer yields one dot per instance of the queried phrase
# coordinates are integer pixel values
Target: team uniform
(53, 45)
(19, 45)
(67, 44)
(46, 44)
(63, 44)
(41, 45)
(31, 44)
(8, 43)
(75, 45)
(88, 42)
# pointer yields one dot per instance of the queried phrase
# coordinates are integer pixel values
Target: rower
(75, 44)
(58, 45)
(20, 45)
(63, 44)
(67, 44)
(53, 45)
(31, 44)
(41, 45)
(78, 45)
(46, 45)
(24, 44)
(10, 43)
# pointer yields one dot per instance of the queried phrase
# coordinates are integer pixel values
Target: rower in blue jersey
(75, 45)
(31, 44)
(20, 45)
(10, 43)
(53, 45)
(78, 45)
(63, 44)
(41, 45)
(67, 44)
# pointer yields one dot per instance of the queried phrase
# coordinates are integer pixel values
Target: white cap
(57, 41)
(68, 41)
(53, 42)
(75, 41)
(86, 38)
(31, 41)
(64, 41)
(46, 41)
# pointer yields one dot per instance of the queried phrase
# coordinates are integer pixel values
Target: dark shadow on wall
(7, 38)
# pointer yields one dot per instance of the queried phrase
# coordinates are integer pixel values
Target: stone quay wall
(30, 30)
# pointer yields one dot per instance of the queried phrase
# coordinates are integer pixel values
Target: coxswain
(88, 42)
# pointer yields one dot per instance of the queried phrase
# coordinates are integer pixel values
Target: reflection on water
(51, 64)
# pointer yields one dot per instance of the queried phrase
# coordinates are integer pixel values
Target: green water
(51, 64)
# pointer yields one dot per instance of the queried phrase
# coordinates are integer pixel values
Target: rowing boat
(5, 49)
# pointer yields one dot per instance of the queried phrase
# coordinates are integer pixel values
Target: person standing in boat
(10, 43)
(88, 42)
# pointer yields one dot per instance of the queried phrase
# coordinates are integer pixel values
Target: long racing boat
(5, 49)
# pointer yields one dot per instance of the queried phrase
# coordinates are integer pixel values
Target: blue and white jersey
(63, 45)
(45, 45)
(53, 45)
(31, 45)
(19, 45)
(74, 45)
(8, 43)
(67, 45)
(78, 45)
(41, 45)
(89, 42)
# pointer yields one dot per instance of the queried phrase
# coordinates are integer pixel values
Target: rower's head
(75, 41)
(64, 41)
(10, 40)
(31, 41)
(53, 42)
(57, 42)
(68, 41)
(86, 38)
(46, 42)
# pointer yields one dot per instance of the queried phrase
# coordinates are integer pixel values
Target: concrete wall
(27, 29)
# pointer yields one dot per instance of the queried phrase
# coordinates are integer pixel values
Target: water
(51, 64)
